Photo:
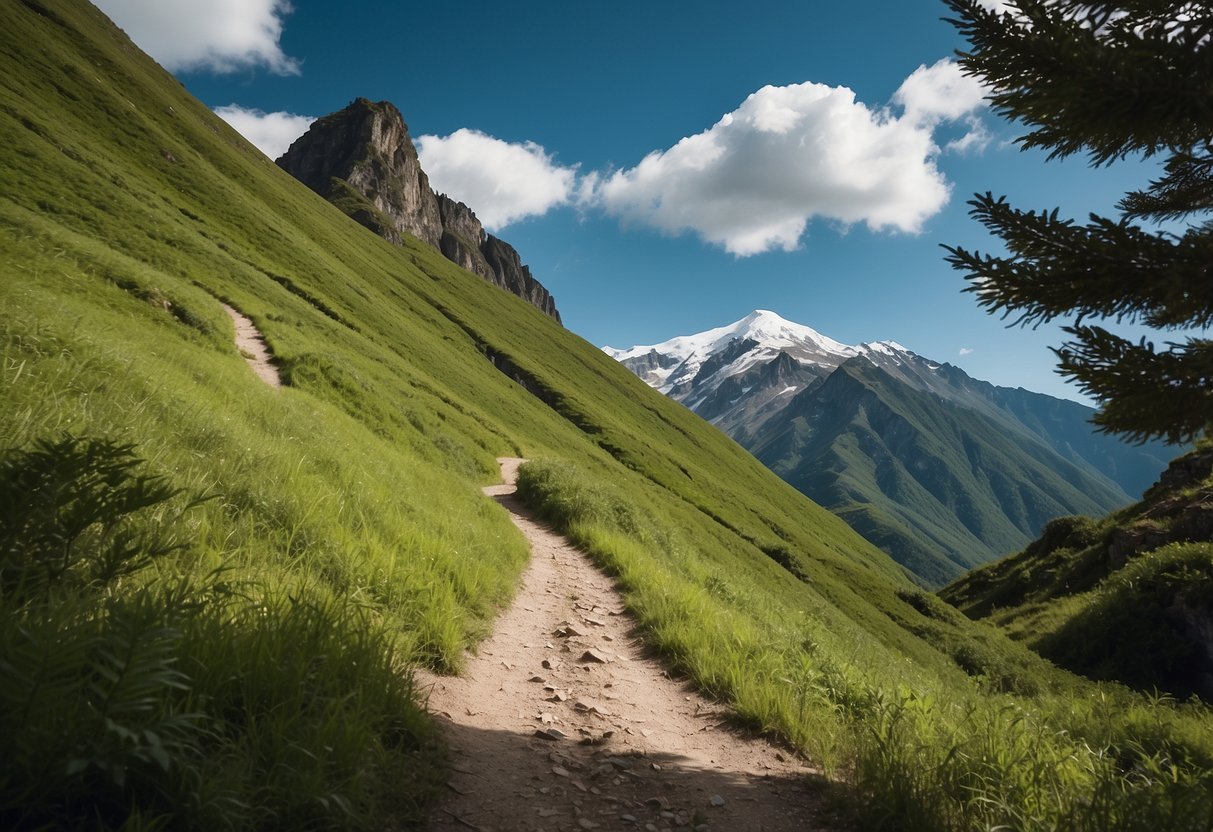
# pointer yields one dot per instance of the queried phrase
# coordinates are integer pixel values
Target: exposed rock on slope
(362, 159)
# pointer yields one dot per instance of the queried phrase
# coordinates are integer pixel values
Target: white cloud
(940, 92)
(219, 35)
(753, 181)
(965, 351)
(1000, 6)
(501, 181)
(272, 133)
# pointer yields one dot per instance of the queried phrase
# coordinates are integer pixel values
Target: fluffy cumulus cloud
(218, 35)
(272, 133)
(940, 92)
(965, 351)
(502, 181)
(753, 181)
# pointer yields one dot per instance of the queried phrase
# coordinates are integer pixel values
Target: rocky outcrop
(464, 241)
(362, 159)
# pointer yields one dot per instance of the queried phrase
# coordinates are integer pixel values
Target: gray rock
(363, 160)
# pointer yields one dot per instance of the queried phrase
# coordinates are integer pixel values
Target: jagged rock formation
(362, 159)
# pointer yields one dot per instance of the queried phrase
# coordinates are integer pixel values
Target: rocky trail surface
(563, 720)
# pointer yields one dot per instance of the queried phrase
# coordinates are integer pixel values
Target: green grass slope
(239, 661)
(1129, 597)
(940, 486)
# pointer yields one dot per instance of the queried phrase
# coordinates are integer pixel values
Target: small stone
(667, 815)
(546, 718)
(681, 820)
(619, 763)
(560, 771)
(716, 800)
(658, 802)
(536, 679)
(551, 734)
(655, 766)
(547, 813)
(593, 655)
(551, 664)
(586, 823)
(590, 706)
(628, 818)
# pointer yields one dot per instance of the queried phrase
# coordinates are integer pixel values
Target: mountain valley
(940, 470)
(222, 600)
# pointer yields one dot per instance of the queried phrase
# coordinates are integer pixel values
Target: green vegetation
(940, 485)
(1124, 598)
(136, 693)
(344, 533)
(974, 732)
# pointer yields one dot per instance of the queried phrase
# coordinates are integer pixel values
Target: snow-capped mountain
(737, 376)
(941, 470)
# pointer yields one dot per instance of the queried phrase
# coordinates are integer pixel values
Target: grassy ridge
(130, 211)
(941, 485)
(979, 734)
(1122, 598)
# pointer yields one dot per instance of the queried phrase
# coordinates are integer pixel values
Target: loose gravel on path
(563, 721)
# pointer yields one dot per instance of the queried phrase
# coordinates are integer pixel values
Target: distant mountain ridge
(943, 471)
(362, 159)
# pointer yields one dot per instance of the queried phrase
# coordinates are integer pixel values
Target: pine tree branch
(1144, 394)
(1110, 79)
(1186, 188)
(1105, 269)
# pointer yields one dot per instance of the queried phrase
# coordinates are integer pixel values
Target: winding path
(563, 721)
(251, 344)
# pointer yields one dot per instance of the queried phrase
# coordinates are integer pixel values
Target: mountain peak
(363, 159)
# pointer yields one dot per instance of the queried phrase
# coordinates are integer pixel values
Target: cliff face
(363, 160)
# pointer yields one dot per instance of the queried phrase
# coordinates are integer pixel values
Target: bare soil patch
(563, 720)
(251, 344)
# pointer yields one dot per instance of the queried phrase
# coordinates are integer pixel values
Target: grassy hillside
(1128, 597)
(239, 661)
(939, 485)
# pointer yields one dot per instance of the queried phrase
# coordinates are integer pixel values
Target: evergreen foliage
(1113, 80)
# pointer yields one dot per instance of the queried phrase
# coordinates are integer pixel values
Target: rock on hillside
(363, 160)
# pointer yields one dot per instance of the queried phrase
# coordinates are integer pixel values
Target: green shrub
(133, 696)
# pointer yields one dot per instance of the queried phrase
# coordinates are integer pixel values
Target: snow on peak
(766, 327)
(887, 347)
(681, 358)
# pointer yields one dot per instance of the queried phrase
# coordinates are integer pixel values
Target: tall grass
(135, 695)
(925, 746)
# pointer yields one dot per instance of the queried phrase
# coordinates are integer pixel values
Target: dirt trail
(252, 346)
(564, 722)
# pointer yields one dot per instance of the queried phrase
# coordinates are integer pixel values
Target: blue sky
(594, 88)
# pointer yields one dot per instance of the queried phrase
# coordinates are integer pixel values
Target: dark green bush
(134, 697)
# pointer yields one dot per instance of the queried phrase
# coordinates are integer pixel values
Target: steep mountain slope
(255, 678)
(940, 470)
(1129, 597)
(362, 159)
